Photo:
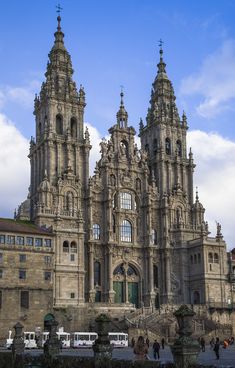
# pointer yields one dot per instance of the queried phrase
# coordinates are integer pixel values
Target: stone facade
(132, 235)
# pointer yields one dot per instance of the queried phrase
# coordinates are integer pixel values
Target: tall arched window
(154, 236)
(126, 231)
(96, 232)
(69, 201)
(73, 247)
(155, 146)
(196, 297)
(168, 146)
(66, 246)
(155, 276)
(125, 201)
(97, 273)
(210, 258)
(216, 258)
(73, 127)
(114, 224)
(179, 148)
(59, 124)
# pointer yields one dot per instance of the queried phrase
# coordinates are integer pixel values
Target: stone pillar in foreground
(185, 349)
(102, 348)
(18, 340)
(52, 345)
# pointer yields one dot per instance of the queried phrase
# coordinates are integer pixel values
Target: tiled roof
(17, 226)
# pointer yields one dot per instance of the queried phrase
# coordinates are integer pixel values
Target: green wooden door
(118, 288)
(133, 293)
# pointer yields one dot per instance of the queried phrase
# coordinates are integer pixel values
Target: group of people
(215, 344)
(141, 348)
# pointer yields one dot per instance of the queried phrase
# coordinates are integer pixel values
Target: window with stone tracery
(96, 231)
(125, 201)
(59, 124)
(126, 231)
(73, 127)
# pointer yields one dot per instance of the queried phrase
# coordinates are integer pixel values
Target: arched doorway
(126, 284)
(47, 319)
(196, 297)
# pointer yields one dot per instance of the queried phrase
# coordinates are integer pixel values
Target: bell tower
(59, 158)
(164, 138)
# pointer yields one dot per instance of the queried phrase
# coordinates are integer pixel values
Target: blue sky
(114, 43)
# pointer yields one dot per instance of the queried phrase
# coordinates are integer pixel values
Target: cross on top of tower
(58, 7)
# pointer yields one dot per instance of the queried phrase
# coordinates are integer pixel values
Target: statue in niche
(104, 148)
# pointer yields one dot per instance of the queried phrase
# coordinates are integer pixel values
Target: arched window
(168, 146)
(210, 258)
(199, 258)
(73, 247)
(73, 127)
(131, 271)
(179, 148)
(97, 273)
(216, 258)
(195, 258)
(114, 224)
(196, 297)
(96, 232)
(125, 201)
(191, 257)
(119, 270)
(112, 180)
(155, 276)
(66, 246)
(126, 231)
(59, 124)
(155, 146)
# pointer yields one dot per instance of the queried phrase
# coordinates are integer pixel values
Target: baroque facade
(132, 235)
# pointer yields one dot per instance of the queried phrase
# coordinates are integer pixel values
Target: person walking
(203, 344)
(147, 342)
(141, 349)
(163, 343)
(216, 347)
(156, 349)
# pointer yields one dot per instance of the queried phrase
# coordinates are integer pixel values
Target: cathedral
(129, 237)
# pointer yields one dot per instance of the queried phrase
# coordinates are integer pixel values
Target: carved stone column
(91, 274)
(111, 292)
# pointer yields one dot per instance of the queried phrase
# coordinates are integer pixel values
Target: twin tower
(132, 234)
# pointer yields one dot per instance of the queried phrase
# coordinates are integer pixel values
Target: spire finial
(58, 7)
(160, 46)
(122, 115)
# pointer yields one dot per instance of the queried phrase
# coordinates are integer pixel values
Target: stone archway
(47, 319)
(126, 284)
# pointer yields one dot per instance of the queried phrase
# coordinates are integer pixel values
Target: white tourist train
(87, 339)
(74, 340)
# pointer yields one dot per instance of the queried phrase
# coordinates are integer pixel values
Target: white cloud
(23, 96)
(14, 167)
(215, 82)
(215, 177)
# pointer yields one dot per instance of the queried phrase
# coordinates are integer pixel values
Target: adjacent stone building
(132, 235)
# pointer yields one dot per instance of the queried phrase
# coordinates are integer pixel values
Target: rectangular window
(24, 299)
(72, 257)
(2, 239)
(29, 241)
(38, 242)
(20, 240)
(10, 239)
(22, 274)
(1, 257)
(1, 273)
(0, 298)
(47, 259)
(72, 295)
(47, 276)
(22, 257)
(125, 201)
(47, 243)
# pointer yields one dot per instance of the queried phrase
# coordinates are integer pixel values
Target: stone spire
(59, 83)
(162, 103)
(122, 115)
